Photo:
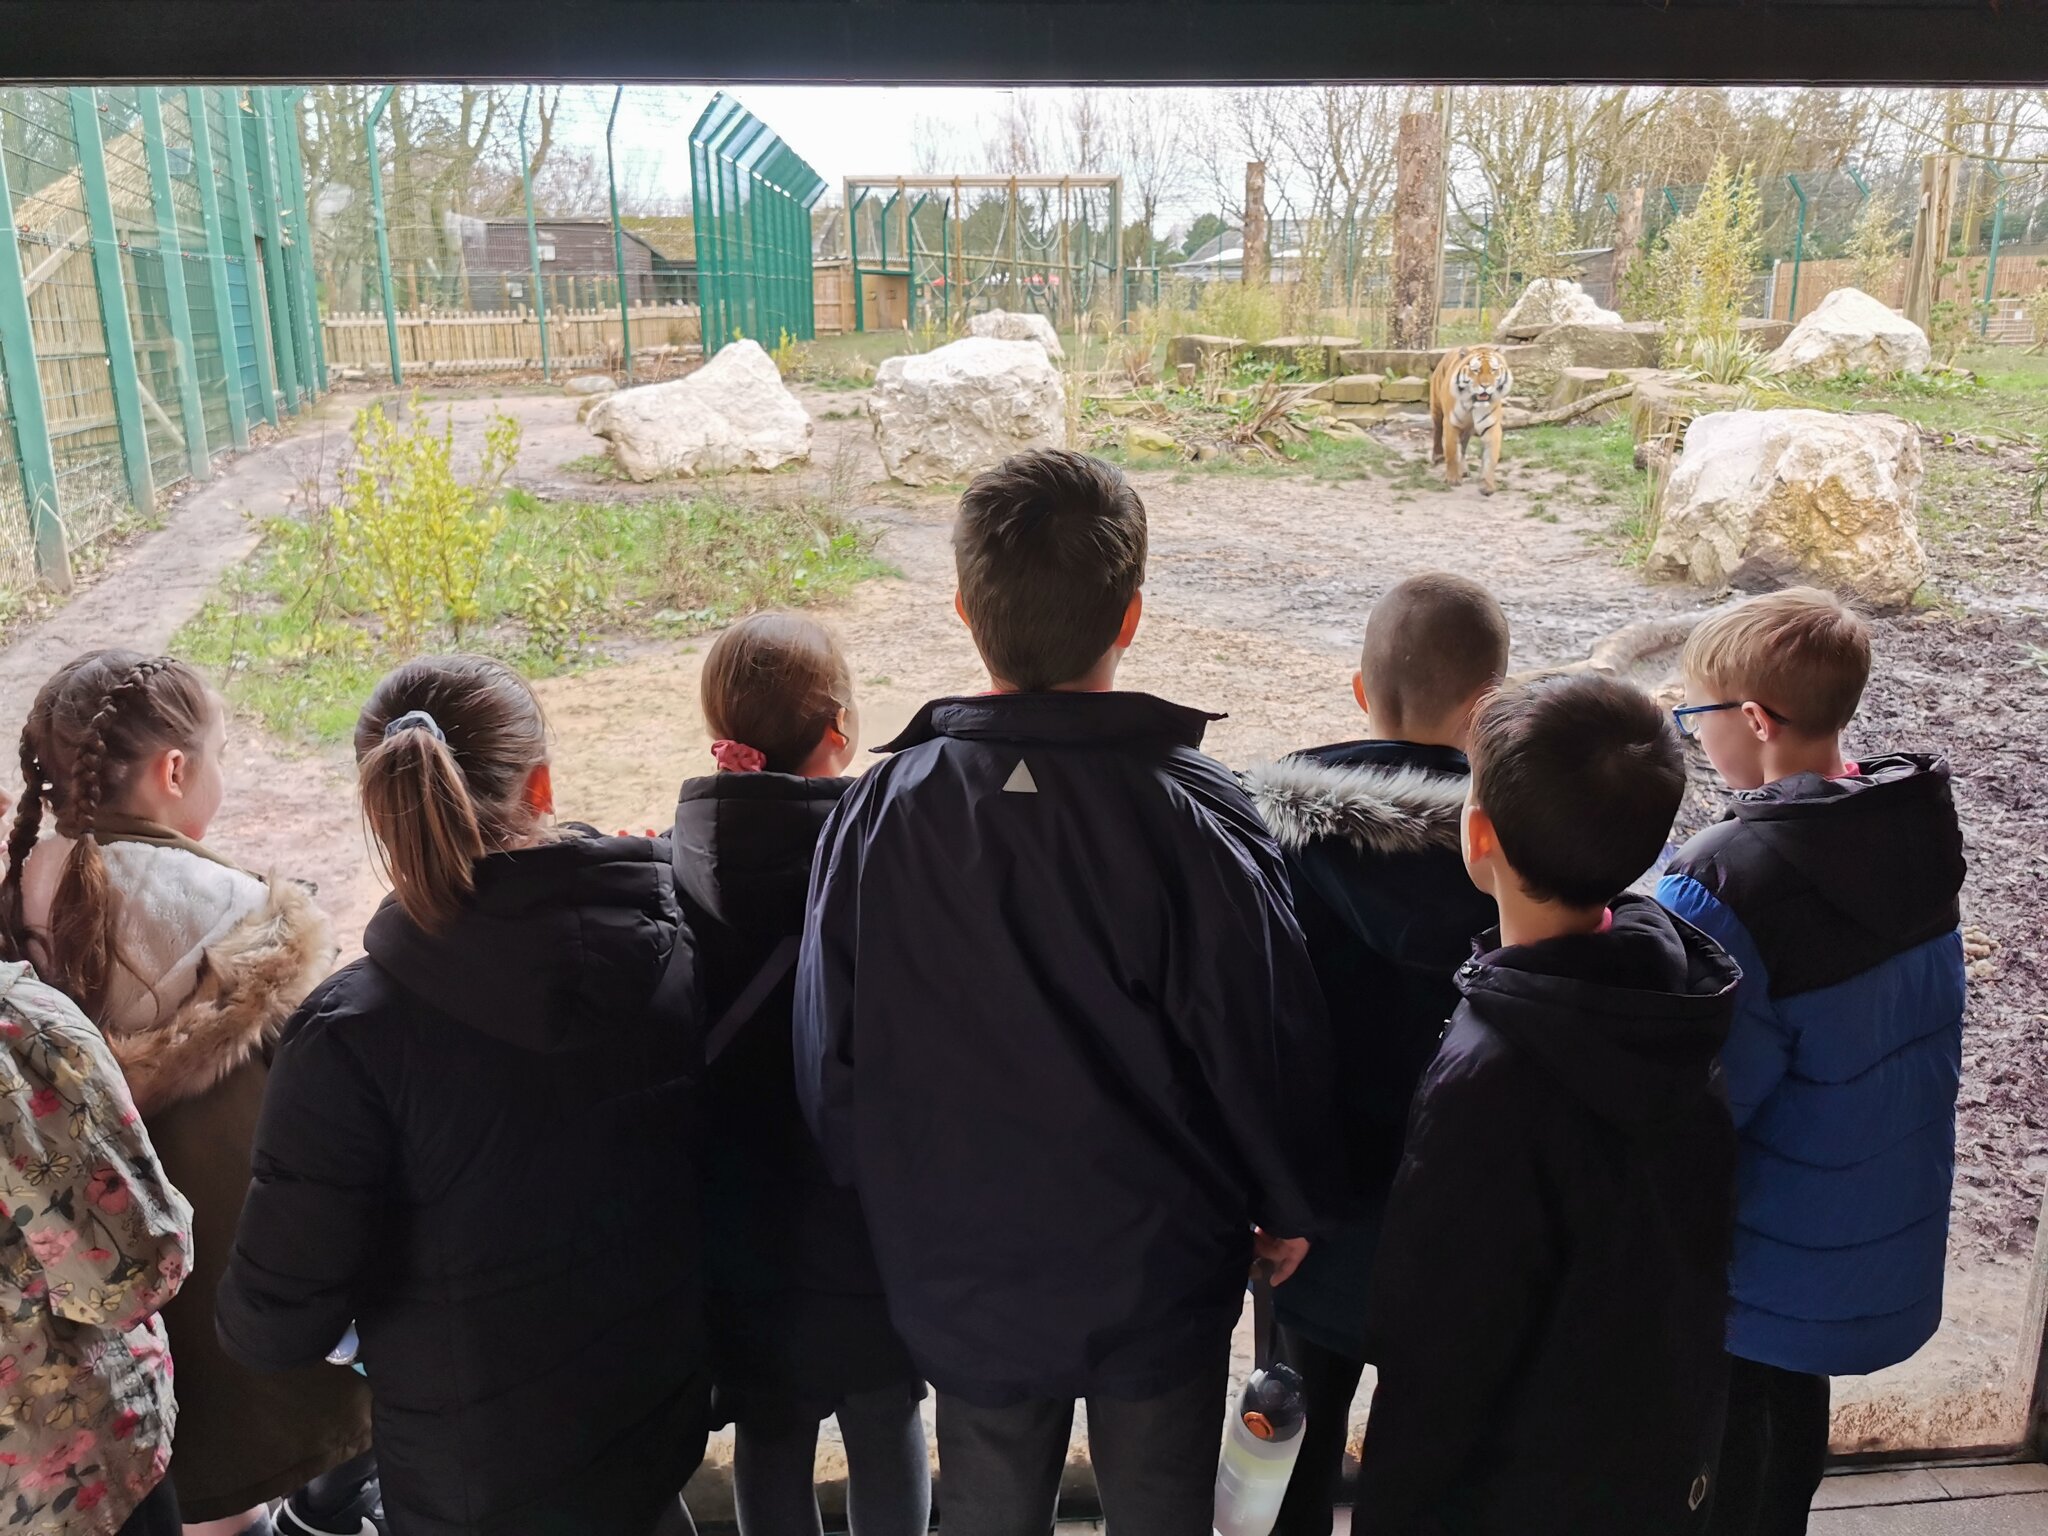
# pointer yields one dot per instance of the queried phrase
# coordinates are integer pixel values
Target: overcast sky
(841, 130)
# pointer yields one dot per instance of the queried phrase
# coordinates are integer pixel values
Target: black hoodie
(799, 1321)
(1549, 1298)
(481, 1146)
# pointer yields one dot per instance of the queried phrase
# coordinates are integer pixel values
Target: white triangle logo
(1020, 781)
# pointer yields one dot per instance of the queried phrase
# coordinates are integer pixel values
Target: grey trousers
(1155, 1462)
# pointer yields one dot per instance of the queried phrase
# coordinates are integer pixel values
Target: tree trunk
(1938, 176)
(1418, 230)
(1628, 240)
(1255, 224)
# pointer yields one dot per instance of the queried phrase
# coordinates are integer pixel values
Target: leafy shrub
(412, 536)
(1724, 360)
(1697, 281)
(1873, 249)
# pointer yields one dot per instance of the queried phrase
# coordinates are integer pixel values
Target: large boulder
(1551, 301)
(1764, 499)
(939, 416)
(733, 413)
(1195, 351)
(1011, 325)
(1851, 330)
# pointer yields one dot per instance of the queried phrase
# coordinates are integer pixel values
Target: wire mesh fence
(133, 334)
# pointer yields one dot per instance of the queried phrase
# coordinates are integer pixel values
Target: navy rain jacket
(1055, 1021)
(1838, 898)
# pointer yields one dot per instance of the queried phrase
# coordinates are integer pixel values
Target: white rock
(1010, 325)
(1552, 301)
(589, 384)
(733, 413)
(940, 416)
(1852, 330)
(1764, 499)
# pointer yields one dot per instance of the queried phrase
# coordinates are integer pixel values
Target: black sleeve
(822, 1016)
(1467, 1265)
(324, 1151)
(1244, 998)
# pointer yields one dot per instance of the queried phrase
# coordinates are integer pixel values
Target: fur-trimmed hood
(249, 984)
(1376, 809)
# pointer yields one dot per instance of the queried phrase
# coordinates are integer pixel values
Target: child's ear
(540, 790)
(169, 772)
(1760, 723)
(1358, 691)
(1132, 613)
(960, 607)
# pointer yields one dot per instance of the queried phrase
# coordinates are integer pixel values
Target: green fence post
(611, 172)
(106, 266)
(217, 263)
(277, 288)
(314, 346)
(540, 295)
(860, 319)
(25, 399)
(383, 231)
(1798, 249)
(185, 362)
(233, 115)
(1997, 237)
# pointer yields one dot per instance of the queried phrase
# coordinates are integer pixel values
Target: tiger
(1467, 393)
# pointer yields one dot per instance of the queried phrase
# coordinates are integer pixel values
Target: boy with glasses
(1834, 883)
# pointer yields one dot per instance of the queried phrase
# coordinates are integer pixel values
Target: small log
(1557, 416)
(1626, 647)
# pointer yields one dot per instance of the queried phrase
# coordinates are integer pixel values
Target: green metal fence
(753, 196)
(155, 300)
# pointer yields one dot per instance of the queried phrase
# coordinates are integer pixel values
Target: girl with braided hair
(189, 965)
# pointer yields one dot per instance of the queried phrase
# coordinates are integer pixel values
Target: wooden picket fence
(442, 342)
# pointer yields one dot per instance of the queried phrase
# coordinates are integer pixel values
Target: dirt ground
(1256, 595)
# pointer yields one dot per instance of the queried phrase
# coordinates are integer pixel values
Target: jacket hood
(1078, 718)
(1379, 808)
(1882, 847)
(560, 942)
(743, 844)
(1627, 1021)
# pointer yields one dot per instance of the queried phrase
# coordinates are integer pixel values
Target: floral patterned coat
(96, 1241)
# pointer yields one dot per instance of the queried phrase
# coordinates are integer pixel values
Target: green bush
(1697, 281)
(410, 534)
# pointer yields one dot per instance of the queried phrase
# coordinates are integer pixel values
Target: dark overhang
(1826, 42)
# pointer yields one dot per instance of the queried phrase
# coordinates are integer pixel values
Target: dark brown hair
(1432, 643)
(1581, 776)
(1799, 652)
(92, 724)
(1049, 547)
(777, 682)
(448, 785)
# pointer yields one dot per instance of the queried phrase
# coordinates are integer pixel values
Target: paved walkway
(1924, 1501)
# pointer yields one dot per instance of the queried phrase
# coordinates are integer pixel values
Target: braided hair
(93, 724)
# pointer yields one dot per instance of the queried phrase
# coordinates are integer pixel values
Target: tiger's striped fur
(1467, 398)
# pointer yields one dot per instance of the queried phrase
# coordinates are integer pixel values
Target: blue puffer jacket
(1838, 898)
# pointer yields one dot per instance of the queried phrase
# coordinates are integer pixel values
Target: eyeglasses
(1688, 722)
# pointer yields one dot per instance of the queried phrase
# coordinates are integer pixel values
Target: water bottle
(1264, 1437)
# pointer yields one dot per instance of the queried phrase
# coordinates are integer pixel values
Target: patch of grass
(2007, 397)
(1602, 457)
(294, 646)
(602, 466)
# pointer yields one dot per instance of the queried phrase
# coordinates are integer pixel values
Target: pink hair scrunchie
(737, 757)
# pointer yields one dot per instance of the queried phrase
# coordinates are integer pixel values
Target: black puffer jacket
(1370, 831)
(798, 1318)
(1055, 1021)
(482, 1146)
(1551, 1289)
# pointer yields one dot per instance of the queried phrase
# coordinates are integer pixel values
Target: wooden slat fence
(439, 342)
(2022, 273)
(832, 297)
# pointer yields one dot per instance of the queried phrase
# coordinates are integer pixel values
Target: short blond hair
(1799, 652)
